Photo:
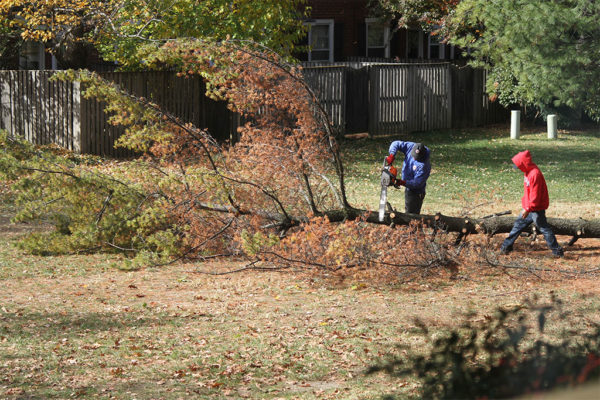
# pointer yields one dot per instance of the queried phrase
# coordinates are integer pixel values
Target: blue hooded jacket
(414, 172)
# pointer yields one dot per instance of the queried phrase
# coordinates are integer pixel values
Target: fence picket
(19, 105)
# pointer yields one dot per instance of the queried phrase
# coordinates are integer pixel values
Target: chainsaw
(388, 178)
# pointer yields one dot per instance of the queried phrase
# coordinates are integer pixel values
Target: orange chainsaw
(388, 178)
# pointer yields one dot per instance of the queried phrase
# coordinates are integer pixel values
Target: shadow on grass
(52, 325)
(109, 389)
(478, 148)
(37, 348)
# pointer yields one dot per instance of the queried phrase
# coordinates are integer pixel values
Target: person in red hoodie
(535, 201)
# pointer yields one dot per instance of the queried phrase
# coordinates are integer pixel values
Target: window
(320, 40)
(378, 37)
(436, 49)
(414, 38)
(31, 56)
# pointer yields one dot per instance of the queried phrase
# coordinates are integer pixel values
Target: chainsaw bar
(385, 182)
(382, 202)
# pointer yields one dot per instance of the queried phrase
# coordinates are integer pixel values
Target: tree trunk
(577, 228)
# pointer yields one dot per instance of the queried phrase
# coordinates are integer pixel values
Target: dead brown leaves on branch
(344, 249)
(284, 169)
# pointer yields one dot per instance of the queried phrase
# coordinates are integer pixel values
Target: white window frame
(329, 23)
(38, 55)
(386, 36)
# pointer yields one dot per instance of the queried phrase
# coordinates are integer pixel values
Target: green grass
(472, 167)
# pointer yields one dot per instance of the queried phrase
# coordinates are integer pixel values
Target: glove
(399, 182)
(389, 159)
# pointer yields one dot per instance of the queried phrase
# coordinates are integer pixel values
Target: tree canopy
(428, 14)
(124, 30)
(540, 53)
(9, 44)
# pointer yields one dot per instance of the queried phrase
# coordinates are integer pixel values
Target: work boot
(559, 254)
(506, 250)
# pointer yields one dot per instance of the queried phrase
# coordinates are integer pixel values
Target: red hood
(523, 161)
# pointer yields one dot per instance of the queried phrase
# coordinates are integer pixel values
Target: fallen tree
(277, 195)
(489, 225)
(576, 228)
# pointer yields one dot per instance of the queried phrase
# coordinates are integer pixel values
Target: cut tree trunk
(576, 228)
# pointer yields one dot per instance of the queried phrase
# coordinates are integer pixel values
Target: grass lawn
(75, 326)
(472, 171)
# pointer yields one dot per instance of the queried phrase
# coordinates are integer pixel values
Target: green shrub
(502, 356)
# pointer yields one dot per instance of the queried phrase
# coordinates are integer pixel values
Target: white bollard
(552, 131)
(515, 124)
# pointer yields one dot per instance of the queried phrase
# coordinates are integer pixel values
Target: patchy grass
(174, 333)
(75, 326)
(472, 172)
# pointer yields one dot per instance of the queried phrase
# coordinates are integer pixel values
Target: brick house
(343, 29)
(340, 30)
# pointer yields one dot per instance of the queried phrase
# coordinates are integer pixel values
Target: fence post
(515, 124)
(449, 95)
(343, 95)
(552, 131)
(373, 100)
(78, 146)
(477, 96)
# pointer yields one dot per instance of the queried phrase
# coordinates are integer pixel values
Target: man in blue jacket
(415, 171)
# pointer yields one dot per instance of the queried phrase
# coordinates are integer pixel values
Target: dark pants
(539, 219)
(413, 201)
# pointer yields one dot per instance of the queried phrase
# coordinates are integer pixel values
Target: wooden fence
(409, 97)
(329, 85)
(471, 105)
(41, 111)
(45, 111)
(382, 99)
(390, 98)
(183, 97)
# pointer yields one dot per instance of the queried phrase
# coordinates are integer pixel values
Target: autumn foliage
(125, 31)
(42, 21)
(264, 198)
(431, 15)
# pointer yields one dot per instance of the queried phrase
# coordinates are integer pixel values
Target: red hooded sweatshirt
(535, 197)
